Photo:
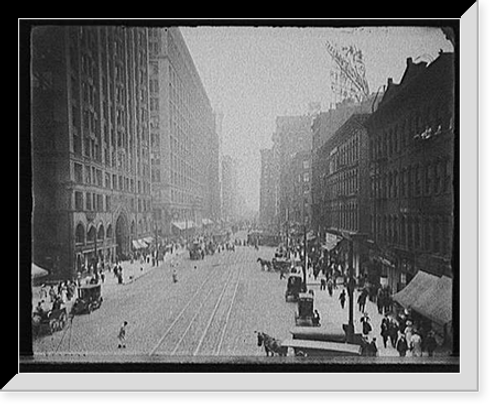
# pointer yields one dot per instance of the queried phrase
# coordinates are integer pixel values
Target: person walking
(342, 298)
(372, 349)
(393, 332)
(402, 345)
(416, 344)
(367, 327)
(384, 330)
(362, 301)
(121, 335)
(329, 284)
(430, 343)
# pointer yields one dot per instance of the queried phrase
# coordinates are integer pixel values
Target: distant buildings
(268, 189)
(229, 189)
(184, 142)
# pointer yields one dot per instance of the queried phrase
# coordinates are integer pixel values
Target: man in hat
(121, 335)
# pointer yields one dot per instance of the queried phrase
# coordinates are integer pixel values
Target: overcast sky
(254, 74)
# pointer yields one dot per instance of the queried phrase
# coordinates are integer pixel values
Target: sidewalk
(333, 316)
(137, 269)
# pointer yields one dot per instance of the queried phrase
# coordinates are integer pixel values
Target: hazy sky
(254, 74)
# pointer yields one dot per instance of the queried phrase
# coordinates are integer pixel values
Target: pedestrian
(342, 298)
(121, 335)
(393, 332)
(362, 301)
(329, 284)
(174, 275)
(316, 318)
(372, 349)
(323, 284)
(416, 344)
(384, 330)
(367, 327)
(380, 300)
(408, 332)
(430, 343)
(402, 345)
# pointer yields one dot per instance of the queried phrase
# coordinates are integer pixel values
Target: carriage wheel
(53, 326)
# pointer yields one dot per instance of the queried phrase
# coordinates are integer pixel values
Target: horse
(264, 264)
(271, 345)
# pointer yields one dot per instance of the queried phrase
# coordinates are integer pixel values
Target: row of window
(422, 124)
(346, 154)
(94, 176)
(416, 180)
(428, 234)
(89, 201)
(345, 216)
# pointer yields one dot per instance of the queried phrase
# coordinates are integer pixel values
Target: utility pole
(304, 263)
(350, 292)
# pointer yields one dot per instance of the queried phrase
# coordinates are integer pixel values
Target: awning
(139, 243)
(428, 295)
(37, 272)
(182, 225)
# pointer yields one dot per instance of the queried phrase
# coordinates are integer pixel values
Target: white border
(466, 380)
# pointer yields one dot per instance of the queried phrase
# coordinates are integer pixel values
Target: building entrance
(122, 238)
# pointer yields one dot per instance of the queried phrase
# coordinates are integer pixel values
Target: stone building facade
(91, 159)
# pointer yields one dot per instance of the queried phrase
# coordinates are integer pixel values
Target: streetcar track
(192, 321)
(219, 347)
(162, 339)
(226, 283)
(219, 300)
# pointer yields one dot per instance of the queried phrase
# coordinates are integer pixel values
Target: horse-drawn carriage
(48, 322)
(195, 252)
(89, 299)
(305, 314)
(293, 288)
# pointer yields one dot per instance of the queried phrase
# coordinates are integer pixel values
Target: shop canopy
(139, 243)
(182, 225)
(428, 295)
(37, 272)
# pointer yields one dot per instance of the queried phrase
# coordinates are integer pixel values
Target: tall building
(90, 145)
(412, 143)
(229, 189)
(184, 142)
(292, 135)
(268, 189)
(324, 125)
(300, 194)
(344, 201)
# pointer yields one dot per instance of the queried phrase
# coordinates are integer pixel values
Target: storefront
(431, 297)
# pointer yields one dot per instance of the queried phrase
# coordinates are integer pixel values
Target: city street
(213, 310)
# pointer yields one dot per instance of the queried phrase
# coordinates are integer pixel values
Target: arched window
(100, 233)
(109, 232)
(91, 234)
(80, 234)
